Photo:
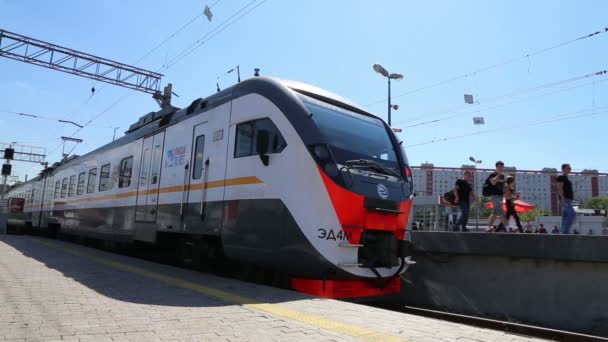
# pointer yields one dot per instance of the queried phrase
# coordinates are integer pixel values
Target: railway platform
(53, 290)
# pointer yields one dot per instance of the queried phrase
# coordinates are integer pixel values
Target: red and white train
(276, 173)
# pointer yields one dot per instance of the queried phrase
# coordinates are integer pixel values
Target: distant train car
(275, 173)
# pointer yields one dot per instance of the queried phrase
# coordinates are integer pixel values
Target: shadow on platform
(127, 286)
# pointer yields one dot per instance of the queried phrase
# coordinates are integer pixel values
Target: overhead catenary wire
(88, 123)
(43, 117)
(506, 95)
(221, 27)
(153, 49)
(173, 61)
(174, 34)
(486, 109)
(506, 62)
(210, 35)
(561, 117)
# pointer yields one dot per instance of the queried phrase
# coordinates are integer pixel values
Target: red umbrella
(520, 206)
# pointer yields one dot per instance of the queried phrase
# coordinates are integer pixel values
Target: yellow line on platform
(314, 320)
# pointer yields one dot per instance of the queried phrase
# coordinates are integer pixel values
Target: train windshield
(354, 136)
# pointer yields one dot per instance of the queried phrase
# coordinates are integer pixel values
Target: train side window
(199, 150)
(72, 188)
(104, 178)
(92, 180)
(155, 171)
(145, 168)
(246, 135)
(81, 181)
(57, 189)
(64, 187)
(126, 168)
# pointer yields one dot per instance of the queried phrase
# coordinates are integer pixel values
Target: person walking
(463, 193)
(510, 196)
(496, 184)
(566, 195)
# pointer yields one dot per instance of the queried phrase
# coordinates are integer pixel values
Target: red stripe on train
(355, 218)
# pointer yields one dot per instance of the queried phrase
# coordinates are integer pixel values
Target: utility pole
(477, 162)
(9, 153)
(391, 76)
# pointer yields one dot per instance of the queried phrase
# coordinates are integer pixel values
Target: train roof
(153, 121)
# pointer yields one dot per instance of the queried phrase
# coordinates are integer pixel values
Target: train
(275, 173)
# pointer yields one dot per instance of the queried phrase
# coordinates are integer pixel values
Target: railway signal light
(6, 169)
(9, 153)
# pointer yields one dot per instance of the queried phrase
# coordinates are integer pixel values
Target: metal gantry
(12, 151)
(38, 52)
(26, 153)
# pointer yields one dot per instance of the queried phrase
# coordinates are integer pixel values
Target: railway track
(510, 327)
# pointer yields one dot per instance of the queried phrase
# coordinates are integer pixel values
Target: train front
(365, 172)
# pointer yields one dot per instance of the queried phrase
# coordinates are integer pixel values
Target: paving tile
(62, 292)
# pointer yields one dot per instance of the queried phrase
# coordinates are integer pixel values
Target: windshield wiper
(374, 166)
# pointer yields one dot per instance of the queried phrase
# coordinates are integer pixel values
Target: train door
(200, 169)
(38, 205)
(149, 178)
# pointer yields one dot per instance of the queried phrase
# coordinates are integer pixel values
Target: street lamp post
(395, 76)
(477, 162)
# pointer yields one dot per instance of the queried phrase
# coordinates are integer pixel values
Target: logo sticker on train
(382, 191)
(176, 157)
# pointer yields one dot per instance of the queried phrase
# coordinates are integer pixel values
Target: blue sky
(333, 44)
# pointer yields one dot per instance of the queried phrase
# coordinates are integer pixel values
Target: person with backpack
(463, 193)
(494, 187)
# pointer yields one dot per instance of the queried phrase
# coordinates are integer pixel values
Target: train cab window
(91, 181)
(199, 150)
(105, 182)
(246, 136)
(81, 181)
(72, 188)
(57, 189)
(126, 168)
(64, 187)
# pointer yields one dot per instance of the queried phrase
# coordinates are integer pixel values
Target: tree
(483, 210)
(532, 214)
(598, 202)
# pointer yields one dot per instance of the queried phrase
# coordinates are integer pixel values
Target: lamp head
(379, 69)
(395, 76)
